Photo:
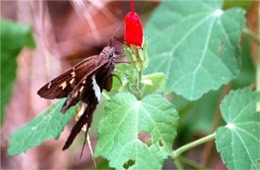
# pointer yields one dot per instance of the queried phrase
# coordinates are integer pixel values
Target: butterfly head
(108, 52)
(113, 50)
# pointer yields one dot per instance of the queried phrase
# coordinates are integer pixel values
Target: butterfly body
(83, 83)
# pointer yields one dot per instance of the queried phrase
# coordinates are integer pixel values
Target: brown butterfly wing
(86, 83)
(88, 96)
(62, 85)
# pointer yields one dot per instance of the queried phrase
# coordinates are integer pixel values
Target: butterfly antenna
(117, 29)
(113, 36)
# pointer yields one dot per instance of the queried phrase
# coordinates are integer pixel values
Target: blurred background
(66, 32)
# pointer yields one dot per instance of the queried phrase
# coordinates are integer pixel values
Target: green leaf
(13, 37)
(48, 125)
(125, 119)
(205, 108)
(154, 83)
(104, 165)
(195, 47)
(238, 142)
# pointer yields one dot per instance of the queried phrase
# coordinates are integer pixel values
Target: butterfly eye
(111, 54)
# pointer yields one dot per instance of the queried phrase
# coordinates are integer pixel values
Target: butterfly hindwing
(75, 95)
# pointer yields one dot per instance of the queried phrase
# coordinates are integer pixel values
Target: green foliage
(191, 45)
(125, 117)
(13, 38)
(154, 83)
(121, 71)
(193, 52)
(203, 109)
(231, 3)
(104, 164)
(46, 126)
(238, 142)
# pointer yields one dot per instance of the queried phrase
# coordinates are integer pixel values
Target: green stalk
(176, 153)
(252, 35)
(258, 58)
(258, 71)
(258, 64)
(137, 58)
(178, 164)
(191, 163)
(140, 88)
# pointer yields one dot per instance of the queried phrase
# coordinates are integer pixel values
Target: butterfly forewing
(62, 85)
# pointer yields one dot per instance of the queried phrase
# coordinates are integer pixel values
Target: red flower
(133, 29)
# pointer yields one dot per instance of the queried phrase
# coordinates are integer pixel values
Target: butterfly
(83, 84)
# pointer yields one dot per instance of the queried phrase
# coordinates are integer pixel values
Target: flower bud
(133, 30)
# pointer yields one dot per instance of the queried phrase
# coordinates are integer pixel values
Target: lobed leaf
(238, 142)
(196, 47)
(48, 125)
(125, 119)
(205, 108)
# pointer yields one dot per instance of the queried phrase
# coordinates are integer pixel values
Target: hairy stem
(176, 153)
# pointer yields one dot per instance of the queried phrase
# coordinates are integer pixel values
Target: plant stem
(106, 96)
(258, 78)
(258, 64)
(252, 35)
(176, 153)
(217, 118)
(258, 59)
(191, 163)
(177, 164)
(135, 86)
